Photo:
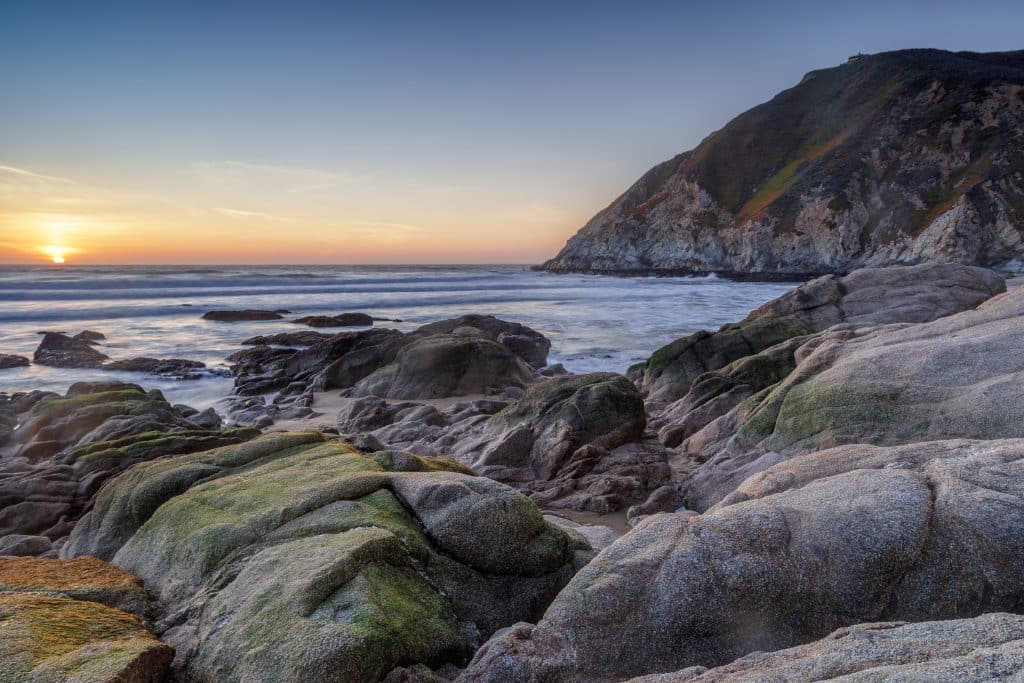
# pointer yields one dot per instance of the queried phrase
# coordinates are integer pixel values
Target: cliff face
(900, 157)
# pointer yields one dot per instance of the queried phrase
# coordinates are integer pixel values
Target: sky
(388, 132)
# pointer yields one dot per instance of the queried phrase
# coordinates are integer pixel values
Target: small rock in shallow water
(59, 350)
(239, 316)
(341, 320)
(10, 361)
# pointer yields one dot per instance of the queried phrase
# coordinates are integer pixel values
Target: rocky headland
(831, 488)
(896, 158)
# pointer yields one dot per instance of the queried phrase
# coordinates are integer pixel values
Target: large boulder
(66, 448)
(922, 532)
(446, 365)
(527, 343)
(958, 376)
(988, 647)
(291, 558)
(59, 350)
(867, 296)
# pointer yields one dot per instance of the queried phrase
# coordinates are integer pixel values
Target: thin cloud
(31, 175)
(400, 227)
(240, 213)
(296, 180)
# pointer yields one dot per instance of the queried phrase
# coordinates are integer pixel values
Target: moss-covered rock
(870, 295)
(290, 557)
(67, 447)
(45, 639)
(956, 377)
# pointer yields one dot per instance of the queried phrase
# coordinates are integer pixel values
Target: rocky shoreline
(833, 486)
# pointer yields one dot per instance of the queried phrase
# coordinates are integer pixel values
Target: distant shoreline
(737, 276)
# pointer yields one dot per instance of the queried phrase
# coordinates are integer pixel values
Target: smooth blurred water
(594, 322)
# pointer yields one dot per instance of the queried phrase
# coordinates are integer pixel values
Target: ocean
(594, 322)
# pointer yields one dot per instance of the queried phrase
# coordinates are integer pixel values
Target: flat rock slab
(240, 316)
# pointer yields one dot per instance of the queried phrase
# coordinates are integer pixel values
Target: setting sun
(56, 253)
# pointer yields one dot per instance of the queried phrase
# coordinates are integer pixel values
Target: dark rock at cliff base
(59, 350)
(241, 316)
(66, 448)
(341, 320)
(8, 361)
(900, 157)
(171, 367)
(916, 533)
(447, 365)
(528, 344)
(348, 564)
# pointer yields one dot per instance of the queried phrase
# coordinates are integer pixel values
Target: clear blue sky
(386, 131)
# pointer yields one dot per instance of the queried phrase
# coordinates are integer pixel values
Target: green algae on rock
(290, 557)
(67, 447)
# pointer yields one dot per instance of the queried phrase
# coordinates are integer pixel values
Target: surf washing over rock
(900, 157)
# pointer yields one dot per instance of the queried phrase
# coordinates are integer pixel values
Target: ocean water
(594, 322)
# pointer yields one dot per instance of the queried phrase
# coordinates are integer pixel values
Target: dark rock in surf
(61, 351)
(172, 367)
(242, 316)
(8, 361)
(341, 320)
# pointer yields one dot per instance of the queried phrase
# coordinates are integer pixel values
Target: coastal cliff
(896, 158)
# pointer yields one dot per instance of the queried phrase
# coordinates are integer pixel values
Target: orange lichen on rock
(81, 578)
(19, 574)
(48, 638)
